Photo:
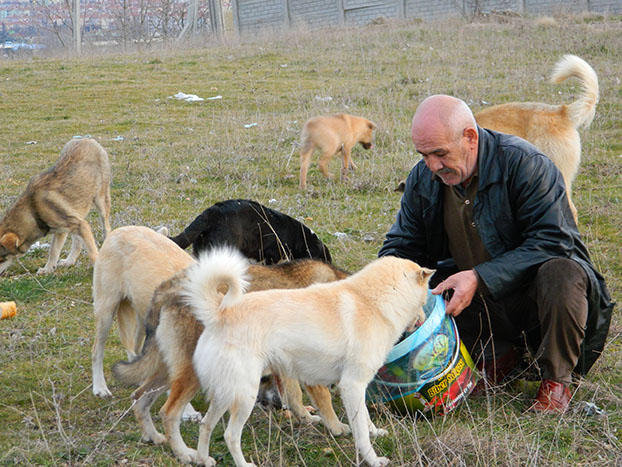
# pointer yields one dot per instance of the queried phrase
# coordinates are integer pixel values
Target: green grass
(177, 158)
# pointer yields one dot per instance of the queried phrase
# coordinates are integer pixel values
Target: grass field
(172, 159)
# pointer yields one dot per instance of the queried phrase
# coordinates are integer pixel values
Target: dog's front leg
(6, 264)
(346, 161)
(320, 395)
(373, 431)
(58, 239)
(84, 231)
(292, 395)
(76, 247)
(353, 397)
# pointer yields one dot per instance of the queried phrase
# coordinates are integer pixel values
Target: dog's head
(269, 396)
(367, 134)
(9, 250)
(420, 278)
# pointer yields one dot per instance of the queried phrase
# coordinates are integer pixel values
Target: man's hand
(464, 285)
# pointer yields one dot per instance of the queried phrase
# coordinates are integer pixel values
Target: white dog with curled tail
(339, 332)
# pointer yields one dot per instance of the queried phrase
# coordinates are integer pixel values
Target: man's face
(453, 160)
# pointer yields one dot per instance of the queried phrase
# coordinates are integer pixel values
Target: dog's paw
(209, 462)
(312, 418)
(153, 438)
(189, 456)
(381, 462)
(45, 270)
(375, 432)
(338, 429)
(190, 414)
(66, 262)
(102, 391)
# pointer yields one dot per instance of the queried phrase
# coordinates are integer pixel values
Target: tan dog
(57, 202)
(340, 332)
(338, 132)
(172, 334)
(132, 262)
(551, 128)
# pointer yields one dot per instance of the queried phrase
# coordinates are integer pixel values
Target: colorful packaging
(429, 370)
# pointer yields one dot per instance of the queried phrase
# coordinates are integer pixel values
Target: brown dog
(338, 132)
(57, 201)
(551, 128)
(172, 333)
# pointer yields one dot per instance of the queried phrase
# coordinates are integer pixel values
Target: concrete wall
(315, 13)
(252, 16)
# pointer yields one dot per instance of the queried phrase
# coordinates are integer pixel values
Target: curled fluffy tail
(582, 111)
(218, 270)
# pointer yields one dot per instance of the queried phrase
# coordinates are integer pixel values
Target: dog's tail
(307, 144)
(219, 269)
(190, 233)
(581, 112)
(136, 371)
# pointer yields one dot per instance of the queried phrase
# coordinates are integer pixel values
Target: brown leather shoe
(551, 397)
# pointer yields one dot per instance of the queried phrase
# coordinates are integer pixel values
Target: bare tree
(55, 20)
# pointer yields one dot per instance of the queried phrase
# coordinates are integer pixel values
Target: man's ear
(424, 274)
(470, 133)
(10, 242)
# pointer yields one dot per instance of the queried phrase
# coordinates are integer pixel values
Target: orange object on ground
(8, 309)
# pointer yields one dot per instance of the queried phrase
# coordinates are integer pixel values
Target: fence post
(401, 9)
(341, 12)
(216, 19)
(287, 18)
(235, 10)
(77, 42)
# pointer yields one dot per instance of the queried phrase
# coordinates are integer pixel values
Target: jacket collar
(488, 158)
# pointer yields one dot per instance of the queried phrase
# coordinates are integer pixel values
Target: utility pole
(77, 42)
(195, 16)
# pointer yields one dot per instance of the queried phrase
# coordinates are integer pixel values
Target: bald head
(441, 114)
(445, 134)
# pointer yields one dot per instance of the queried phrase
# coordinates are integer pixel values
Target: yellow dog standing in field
(338, 132)
(551, 128)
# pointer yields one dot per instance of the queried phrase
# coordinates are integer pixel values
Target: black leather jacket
(523, 218)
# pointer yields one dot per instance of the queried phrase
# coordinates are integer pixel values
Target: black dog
(259, 232)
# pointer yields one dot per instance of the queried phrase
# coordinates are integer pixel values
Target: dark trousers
(548, 315)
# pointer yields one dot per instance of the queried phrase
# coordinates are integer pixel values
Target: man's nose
(434, 163)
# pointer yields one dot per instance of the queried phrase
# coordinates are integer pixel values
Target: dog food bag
(429, 370)
(7, 309)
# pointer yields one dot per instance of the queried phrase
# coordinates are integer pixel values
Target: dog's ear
(10, 242)
(371, 125)
(424, 274)
(401, 186)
